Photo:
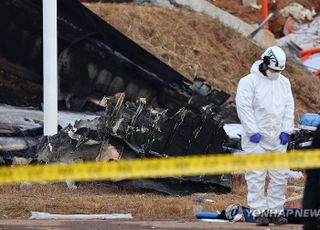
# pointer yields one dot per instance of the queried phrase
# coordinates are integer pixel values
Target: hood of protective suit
(255, 69)
(271, 76)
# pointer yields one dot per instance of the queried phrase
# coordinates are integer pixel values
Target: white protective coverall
(265, 106)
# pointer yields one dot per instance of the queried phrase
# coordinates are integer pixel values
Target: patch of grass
(198, 46)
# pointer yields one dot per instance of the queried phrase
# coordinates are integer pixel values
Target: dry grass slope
(198, 46)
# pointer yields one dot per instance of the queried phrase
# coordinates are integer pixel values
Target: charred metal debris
(172, 116)
(128, 130)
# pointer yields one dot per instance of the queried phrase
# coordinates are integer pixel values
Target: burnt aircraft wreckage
(124, 130)
(128, 130)
(95, 60)
(164, 114)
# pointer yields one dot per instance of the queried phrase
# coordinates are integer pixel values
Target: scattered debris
(161, 3)
(310, 119)
(297, 11)
(249, 2)
(290, 26)
(208, 215)
(233, 213)
(22, 128)
(306, 37)
(261, 26)
(234, 131)
(8, 144)
(256, 6)
(19, 121)
(71, 184)
(21, 161)
(25, 185)
(49, 216)
(312, 62)
(295, 174)
(202, 200)
(214, 220)
(229, 112)
(301, 138)
(130, 130)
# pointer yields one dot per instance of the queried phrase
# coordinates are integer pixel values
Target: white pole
(50, 81)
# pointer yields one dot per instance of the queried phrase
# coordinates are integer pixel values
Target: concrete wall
(264, 38)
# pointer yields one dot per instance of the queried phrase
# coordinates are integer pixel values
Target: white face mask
(273, 75)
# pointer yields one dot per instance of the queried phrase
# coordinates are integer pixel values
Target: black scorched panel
(95, 59)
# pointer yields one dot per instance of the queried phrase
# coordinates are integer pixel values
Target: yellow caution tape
(163, 167)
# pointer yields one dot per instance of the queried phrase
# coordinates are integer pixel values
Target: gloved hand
(284, 138)
(255, 138)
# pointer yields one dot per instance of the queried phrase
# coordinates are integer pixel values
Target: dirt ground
(117, 225)
(105, 198)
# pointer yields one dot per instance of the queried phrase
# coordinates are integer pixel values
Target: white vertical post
(50, 65)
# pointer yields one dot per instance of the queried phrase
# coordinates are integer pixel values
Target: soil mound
(199, 46)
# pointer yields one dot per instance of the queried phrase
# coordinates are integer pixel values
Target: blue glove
(284, 138)
(255, 138)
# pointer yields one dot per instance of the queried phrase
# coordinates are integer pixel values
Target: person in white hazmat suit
(265, 107)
